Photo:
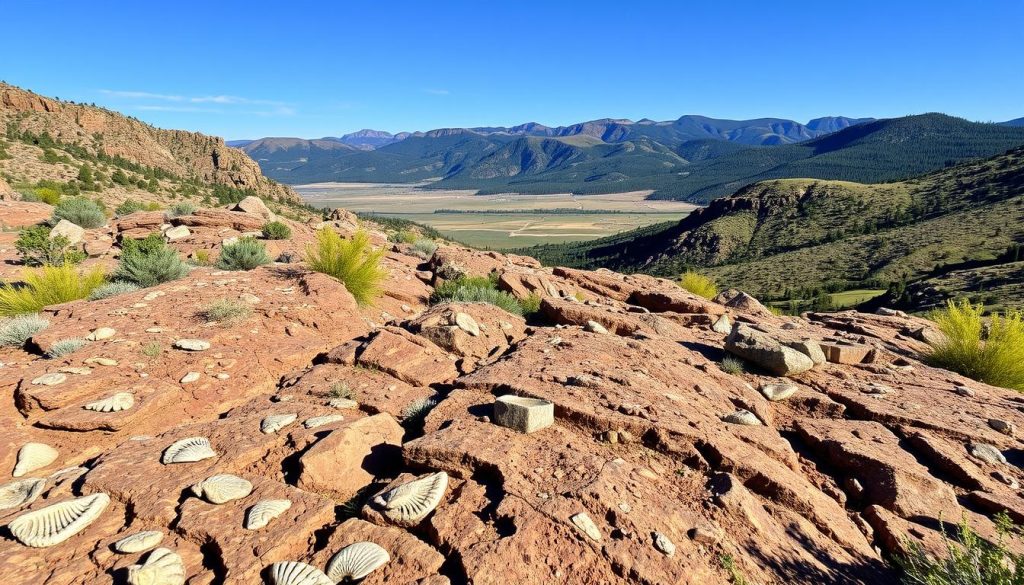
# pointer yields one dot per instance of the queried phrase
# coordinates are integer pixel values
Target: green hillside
(794, 238)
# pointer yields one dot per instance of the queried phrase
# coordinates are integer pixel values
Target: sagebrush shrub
(79, 211)
(698, 284)
(353, 261)
(15, 331)
(480, 289)
(993, 354)
(732, 365)
(37, 248)
(969, 560)
(181, 208)
(245, 254)
(112, 289)
(149, 262)
(276, 230)
(424, 248)
(49, 285)
(64, 347)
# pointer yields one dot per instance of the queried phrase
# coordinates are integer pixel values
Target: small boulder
(523, 414)
(72, 232)
(765, 351)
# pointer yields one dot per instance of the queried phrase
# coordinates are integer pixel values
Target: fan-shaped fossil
(139, 541)
(188, 450)
(55, 524)
(222, 488)
(319, 421)
(356, 561)
(20, 492)
(33, 456)
(162, 567)
(412, 501)
(263, 511)
(276, 422)
(296, 573)
(116, 403)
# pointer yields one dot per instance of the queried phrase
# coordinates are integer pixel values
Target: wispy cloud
(272, 108)
(152, 108)
(437, 91)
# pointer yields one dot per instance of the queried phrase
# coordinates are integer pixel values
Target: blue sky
(310, 69)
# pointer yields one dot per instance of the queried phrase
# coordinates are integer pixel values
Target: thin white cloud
(202, 99)
(437, 91)
(152, 108)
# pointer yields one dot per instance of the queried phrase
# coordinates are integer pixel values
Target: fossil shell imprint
(263, 511)
(356, 561)
(188, 450)
(20, 492)
(222, 488)
(276, 422)
(139, 542)
(296, 573)
(412, 501)
(319, 421)
(116, 403)
(33, 456)
(162, 567)
(55, 524)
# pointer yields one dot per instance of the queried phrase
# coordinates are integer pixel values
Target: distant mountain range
(693, 158)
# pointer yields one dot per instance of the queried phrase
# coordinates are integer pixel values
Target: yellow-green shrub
(353, 261)
(993, 355)
(698, 284)
(49, 285)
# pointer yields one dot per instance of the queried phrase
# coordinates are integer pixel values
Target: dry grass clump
(991, 352)
(698, 284)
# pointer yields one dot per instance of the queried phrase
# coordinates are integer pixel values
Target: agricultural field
(501, 221)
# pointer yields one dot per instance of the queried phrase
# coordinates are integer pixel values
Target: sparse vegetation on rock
(478, 289)
(15, 331)
(227, 311)
(353, 261)
(698, 284)
(149, 262)
(37, 248)
(276, 230)
(991, 352)
(112, 289)
(63, 347)
(245, 254)
(48, 285)
(969, 559)
(181, 208)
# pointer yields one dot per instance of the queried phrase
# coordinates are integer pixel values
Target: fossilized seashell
(276, 422)
(188, 450)
(296, 573)
(33, 456)
(319, 421)
(116, 403)
(222, 488)
(356, 561)
(139, 541)
(20, 492)
(162, 567)
(412, 501)
(55, 524)
(264, 511)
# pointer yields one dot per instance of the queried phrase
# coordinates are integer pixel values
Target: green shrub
(149, 262)
(112, 289)
(180, 209)
(15, 331)
(993, 355)
(64, 347)
(276, 230)
(37, 248)
(479, 289)
(732, 365)
(79, 211)
(353, 261)
(340, 390)
(698, 284)
(969, 560)
(49, 285)
(424, 248)
(47, 195)
(132, 206)
(245, 254)
(201, 258)
(530, 304)
(227, 311)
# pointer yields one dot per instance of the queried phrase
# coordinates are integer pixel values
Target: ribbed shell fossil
(139, 542)
(162, 567)
(20, 492)
(263, 511)
(276, 422)
(356, 561)
(33, 456)
(188, 450)
(412, 501)
(55, 524)
(222, 488)
(296, 573)
(319, 421)
(116, 403)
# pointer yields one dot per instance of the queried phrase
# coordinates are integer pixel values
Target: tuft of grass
(49, 285)
(416, 412)
(14, 332)
(353, 261)
(180, 209)
(729, 564)
(149, 262)
(424, 248)
(340, 390)
(531, 304)
(993, 354)
(227, 311)
(478, 289)
(64, 347)
(276, 230)
(969, 560)
(405, 237)
(245, 254)
(732, 365)
(201, 258)
(79, 211)
(112, 289)
(152, 349)
(698, 284)
(37, 248)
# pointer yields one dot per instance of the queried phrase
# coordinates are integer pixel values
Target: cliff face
(187, 154)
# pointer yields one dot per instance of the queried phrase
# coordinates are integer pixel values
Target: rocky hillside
(49, 140)
(602, 440)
